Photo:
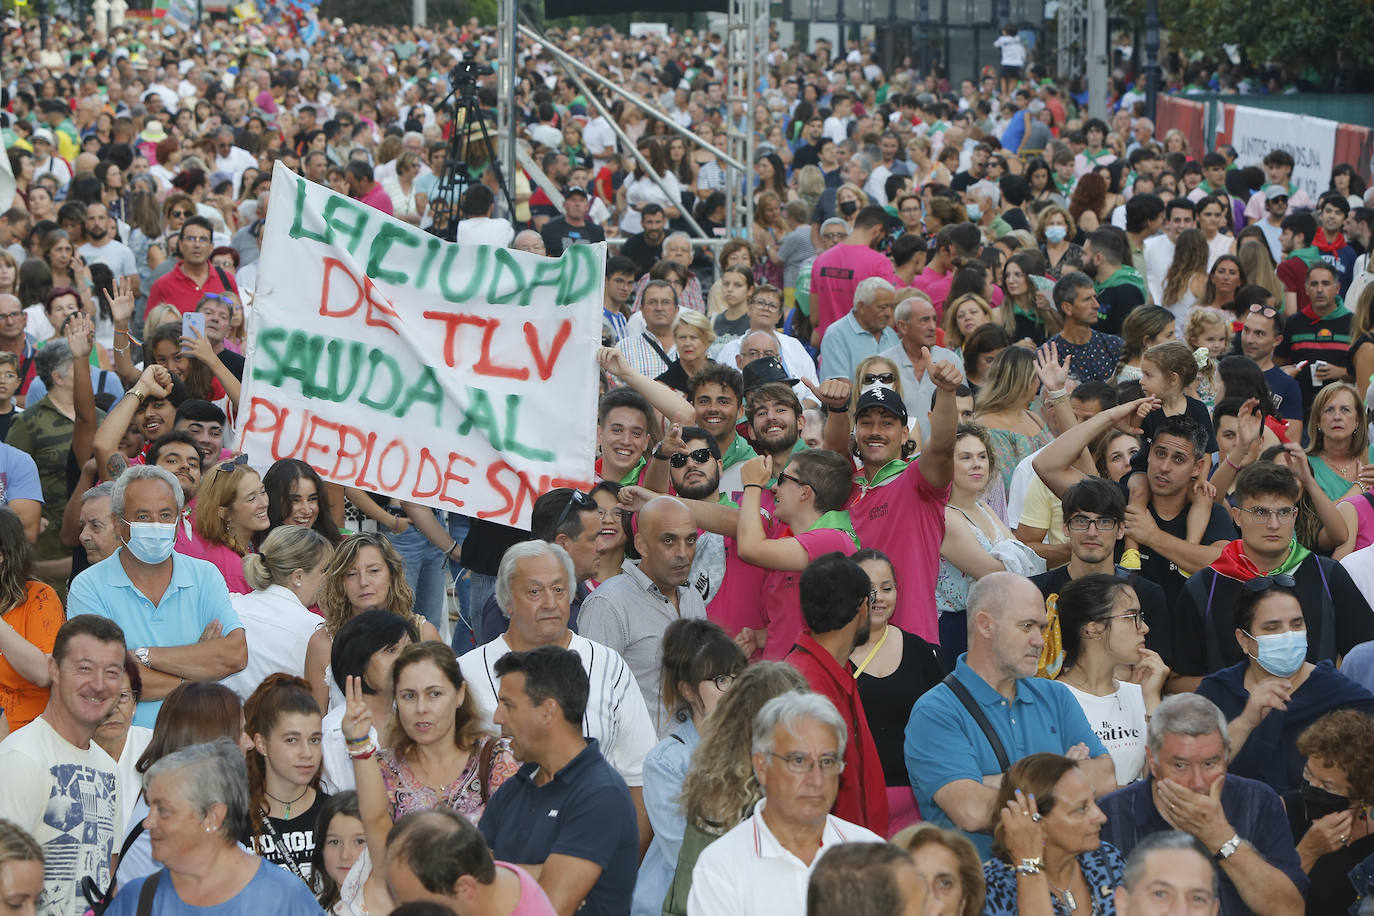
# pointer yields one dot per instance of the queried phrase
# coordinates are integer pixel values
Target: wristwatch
(141, 653)
(1228, 848)
(1031, 866)
(657, 453)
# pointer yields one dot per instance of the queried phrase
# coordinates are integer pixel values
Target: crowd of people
(986, 530)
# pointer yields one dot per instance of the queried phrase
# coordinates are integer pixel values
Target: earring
(209, 829)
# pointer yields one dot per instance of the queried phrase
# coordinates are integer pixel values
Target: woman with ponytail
(284, 798)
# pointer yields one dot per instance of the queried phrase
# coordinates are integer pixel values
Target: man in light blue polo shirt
(174, 610)
(953, 768)
(866, 331)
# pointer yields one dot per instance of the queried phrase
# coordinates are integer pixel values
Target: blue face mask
(974, 211)
(1055, 234)
(1281, 654)
(152, 542)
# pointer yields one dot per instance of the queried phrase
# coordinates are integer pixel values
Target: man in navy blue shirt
(1260, 335)
(1239, 821)
(566, 816)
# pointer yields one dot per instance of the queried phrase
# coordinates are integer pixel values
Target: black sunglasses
(878, 378)
(698, 456)
(1264, 583)
(583, 502)
(233, 462)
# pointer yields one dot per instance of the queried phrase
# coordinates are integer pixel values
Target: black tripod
(466, 117)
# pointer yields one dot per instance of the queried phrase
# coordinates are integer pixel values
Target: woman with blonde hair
(849, 193)
(1003, 406)
(1186, 281)
(693, 336)
(963, 316)
(406, 203)
(720, 788)
(949, 862)
(365, 574)
(1145, 327)
(768, 230)
(810, 185)
(231, 506)
(9, 273)
(21, 868)
(1338, 439)
(1257, 264)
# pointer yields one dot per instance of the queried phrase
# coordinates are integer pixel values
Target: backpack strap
(147, 893)
(976, 711)
(484, 768)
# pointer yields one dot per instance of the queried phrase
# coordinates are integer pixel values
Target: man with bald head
(529, 240)
(917, 324)
(955, 766)
(630, 612)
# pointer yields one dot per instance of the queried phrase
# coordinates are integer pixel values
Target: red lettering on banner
(364, 291)
(451, 477)
(426, 462)
(485, 366)
(317, 424)
(364, 448)
(545, 366)
(452, 322)
(330, 266)
(377, 303)
(381, 465)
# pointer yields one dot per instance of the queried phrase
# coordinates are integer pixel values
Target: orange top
(37, 620)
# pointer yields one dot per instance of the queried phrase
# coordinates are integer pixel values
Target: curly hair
(400, 598)
(1344, 738)
(721, 787)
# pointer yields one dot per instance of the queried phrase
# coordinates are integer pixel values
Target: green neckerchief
(1125, 275)
(836, 520)
(1093, 157)
(1206, 187)
(1296, 554)
(739, 451)
(1064, 189)
(631, 477)
(1340, 311)
(1030, 315)
(723, 499)
(885, 473)
(1309, 255)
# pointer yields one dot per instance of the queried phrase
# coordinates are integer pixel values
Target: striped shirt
(616, 715)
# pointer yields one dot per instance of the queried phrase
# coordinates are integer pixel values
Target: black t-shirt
(557, 235)
(1161, 570)
(637, 249)
(297, 834)
(961, 181)
(6, 419)
(1152, 603)
(1194, 410)
(806, 154)
(1016, 219)
(486, 543)
(887, 702)
(1114, 304)
(233, 362)
(1307, 339)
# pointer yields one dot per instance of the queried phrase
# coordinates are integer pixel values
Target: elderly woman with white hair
(197, 811)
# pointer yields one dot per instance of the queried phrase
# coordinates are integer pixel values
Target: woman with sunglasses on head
(1096, 630)
(700, 662)
(613, 540)
(1272, 696)
(231, 507)
(891, 670)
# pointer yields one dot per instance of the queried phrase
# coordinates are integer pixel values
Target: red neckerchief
(1234, 564)
(1328, 247)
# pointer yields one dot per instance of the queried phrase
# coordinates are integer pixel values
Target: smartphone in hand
(188, 321)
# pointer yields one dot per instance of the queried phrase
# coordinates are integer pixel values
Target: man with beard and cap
(836, 601)
(630, 612)
(897, 503)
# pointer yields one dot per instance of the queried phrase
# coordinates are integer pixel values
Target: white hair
(868, 290)
(528, 550)
(790, 709)
(141, 472)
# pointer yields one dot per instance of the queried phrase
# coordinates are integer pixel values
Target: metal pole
(569, 61)
(1151, 57)
(1097, 57)
(506, 122)
(418, 12)
(657, 179)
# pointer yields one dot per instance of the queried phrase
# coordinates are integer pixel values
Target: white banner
(1311, 141)
(462, 377)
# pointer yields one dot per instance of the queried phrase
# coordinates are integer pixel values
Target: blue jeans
(480, 588)
(424, 569)
(463, 637)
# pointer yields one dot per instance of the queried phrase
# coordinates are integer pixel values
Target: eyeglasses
(583, 502)
(128, 696)
(181, 214)
(834, 236)
(1101, 523)
(698, 456)
(797, 480)
(878, 378)
(1266, 311)
(1263, 513)
(10, 316)
(766, 304)
(237, 461)
(1137, 617)
(196, 239)
(723, 681)
(1264, 583)
(801, 764)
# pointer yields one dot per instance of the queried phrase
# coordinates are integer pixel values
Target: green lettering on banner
(298, 230)
(350, 224)
(479, 272)
(432, 248)
(342, 374)
(507, 269)
(511, 443)
(579, 273)
(387, 236)
(302, 354)
(480, 415)
(549, 272)
(425, 389)
(269, 345)
(377, 359)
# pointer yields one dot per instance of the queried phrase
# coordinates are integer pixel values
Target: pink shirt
(735, 604)
(936, 285)
(229, 563)
(781, 598)
(378, 199)
(533, 900)
(1364, 520)
(836, 273)
(904, 517)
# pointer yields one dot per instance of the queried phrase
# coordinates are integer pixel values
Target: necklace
(1348, 469)
(286, 805)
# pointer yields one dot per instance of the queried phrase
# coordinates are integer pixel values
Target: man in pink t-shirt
(836, 273)
(809, 521)
(952, 243)
(425, 848)
(363, 188)
(897, 506)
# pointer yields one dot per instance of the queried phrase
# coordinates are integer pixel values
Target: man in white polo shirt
(762, 866)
